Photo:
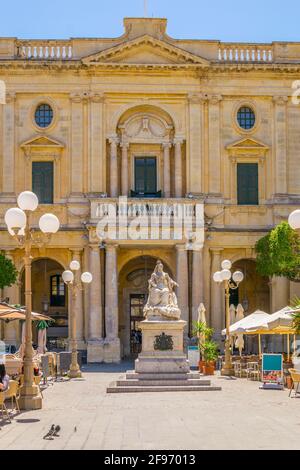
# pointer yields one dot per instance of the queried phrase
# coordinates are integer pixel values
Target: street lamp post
(75, 283)
(231, 281)
(18, 224)
(294, 219)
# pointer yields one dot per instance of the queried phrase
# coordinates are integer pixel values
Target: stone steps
(171, 388)
(162, 383)
(162, 376)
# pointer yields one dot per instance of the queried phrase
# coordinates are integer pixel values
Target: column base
(112, 350)
(30, 398)
(74, 373)
(95, 351)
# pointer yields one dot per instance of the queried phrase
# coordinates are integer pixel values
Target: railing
(246, 53)
(47, 50)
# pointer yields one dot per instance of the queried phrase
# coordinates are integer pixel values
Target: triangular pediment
(145, 50)
(247, 144)
(42, 141)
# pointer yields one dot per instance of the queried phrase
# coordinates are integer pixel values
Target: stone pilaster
(112, 341)
(214, 150)
(76, 156)
(280, 148)
(96, 161)
(113, 166)
(124, 172)
(77, 308)
(95, 329)
(197, 282)
(167, 169)
(11, 294)
(8, 149)
(195, 176)
(217, 299)
(182, 280)
(178, 166)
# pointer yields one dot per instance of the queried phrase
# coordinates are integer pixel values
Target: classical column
(95, 331)
(111, 293)
(77, 308)
(280, 293)
(124, 172)
(96, 157)
(76, 151)
(178, 167)
(217, 298)
(8, 148)
(182, 280)
(280, 149)
(197, 282)
(12, 297)
(195, 176)
(113, 166)
(214, 152)
(167, 169)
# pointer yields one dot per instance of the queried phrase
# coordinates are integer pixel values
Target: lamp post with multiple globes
(294, 219)
(19, 226)
(230, 281)
(75, 283)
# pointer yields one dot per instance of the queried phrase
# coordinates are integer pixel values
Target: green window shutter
(247, 183)
(145, 175)
(42, 181)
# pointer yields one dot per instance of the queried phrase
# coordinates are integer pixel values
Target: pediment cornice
(42, 142)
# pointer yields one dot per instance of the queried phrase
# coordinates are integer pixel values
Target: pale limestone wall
(195, 92)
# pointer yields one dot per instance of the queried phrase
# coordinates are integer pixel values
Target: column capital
(110, 246)
(197, 98)
(178, 140)
(216, 251)
(76, 97)
(181, 247)
(113, 139)
(96, 97)
(215, 99)
(94, 246)
(166, 145)
(10, 97)
(280, 100)
(124, 144)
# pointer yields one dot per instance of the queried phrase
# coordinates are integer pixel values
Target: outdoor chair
(295, 374)
(3, 407)
(13, 393)
(253, 371)
(237, 369)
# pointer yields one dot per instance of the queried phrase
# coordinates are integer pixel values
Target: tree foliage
(8, 272)
(278, 253)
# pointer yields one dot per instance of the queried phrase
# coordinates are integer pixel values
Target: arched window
(43, 115)
(246, 117)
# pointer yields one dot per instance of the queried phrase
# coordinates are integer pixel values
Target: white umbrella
(232, 314)
(240, 312)
(247, 323)
(42, 337)
(239, 343)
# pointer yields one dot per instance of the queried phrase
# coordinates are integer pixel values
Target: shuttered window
(145, 175)
(247, 183)
(42, 181)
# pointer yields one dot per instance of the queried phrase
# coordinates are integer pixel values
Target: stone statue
(162, 301)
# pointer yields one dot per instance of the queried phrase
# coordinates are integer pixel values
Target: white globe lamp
(28, 201)
(75, 265)
(49, 223)
(225, 274)
(226, 264)
(238, 276)
(68, 276)
(86, 278)
(15, 218)
(294, 219)
(217, 277)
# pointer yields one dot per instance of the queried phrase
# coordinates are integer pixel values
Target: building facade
(205, 126)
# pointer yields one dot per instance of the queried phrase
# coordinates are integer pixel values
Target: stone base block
(95, 351)
(112, 350)
(162, 365)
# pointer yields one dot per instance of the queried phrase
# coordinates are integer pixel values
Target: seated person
(4, 379)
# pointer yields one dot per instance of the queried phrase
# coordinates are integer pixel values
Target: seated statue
(162, 300)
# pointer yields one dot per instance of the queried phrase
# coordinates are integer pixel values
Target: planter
(201, 365)
(209, 368)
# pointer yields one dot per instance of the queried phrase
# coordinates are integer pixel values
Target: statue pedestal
(162, 347)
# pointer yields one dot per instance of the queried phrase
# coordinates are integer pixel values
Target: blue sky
(227, 20)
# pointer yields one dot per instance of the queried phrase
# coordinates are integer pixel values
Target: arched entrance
(49, 296)
(254, 292)
(133, 291)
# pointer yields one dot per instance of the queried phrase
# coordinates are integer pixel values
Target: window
(247, 183)
(42, 181)
(246, 117)
(57, 291)
(43, 115)
(145, 176)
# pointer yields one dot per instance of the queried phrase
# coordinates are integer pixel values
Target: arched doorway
(49, 296)
(254, 292)
(133, 292)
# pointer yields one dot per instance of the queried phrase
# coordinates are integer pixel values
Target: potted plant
(203, 333)
(209, 351)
